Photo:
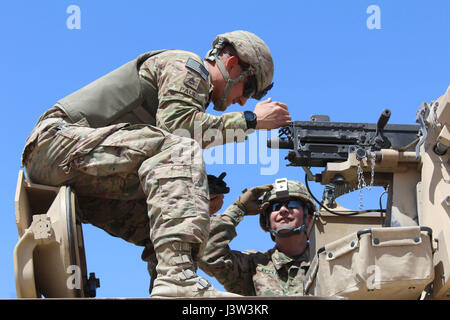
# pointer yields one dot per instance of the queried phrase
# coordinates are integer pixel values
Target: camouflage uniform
(250, 273)
(132, 179)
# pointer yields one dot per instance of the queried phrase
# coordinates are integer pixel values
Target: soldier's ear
(231, 62)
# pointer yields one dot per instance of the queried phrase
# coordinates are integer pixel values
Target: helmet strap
(221, 104)
(213, 55)
(292, 231)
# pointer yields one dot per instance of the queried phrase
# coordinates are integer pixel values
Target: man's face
(286, 216)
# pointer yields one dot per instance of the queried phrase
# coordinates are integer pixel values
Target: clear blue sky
(327, 61)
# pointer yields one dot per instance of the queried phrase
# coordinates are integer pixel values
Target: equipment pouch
(179, 196)
(86, 139)
(377, 263)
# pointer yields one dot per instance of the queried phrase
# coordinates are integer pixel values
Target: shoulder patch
(197, 67)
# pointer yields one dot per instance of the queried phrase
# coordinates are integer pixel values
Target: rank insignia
(192, 81)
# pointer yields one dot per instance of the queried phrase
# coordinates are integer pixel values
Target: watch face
(250, 116)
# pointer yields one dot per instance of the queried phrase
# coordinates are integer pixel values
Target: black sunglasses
(249, 87)
(290, 204)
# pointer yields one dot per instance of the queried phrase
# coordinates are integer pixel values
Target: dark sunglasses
(290, 204)
(249, 87)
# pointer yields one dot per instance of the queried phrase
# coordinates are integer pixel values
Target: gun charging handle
(383, 119)
(379, 140)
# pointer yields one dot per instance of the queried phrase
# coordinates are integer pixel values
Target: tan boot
(177, 274)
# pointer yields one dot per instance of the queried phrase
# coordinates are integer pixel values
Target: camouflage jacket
(250, 273)
(184, 95)
(171, 90)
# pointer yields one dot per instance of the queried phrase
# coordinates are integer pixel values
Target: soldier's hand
(249, 199)
(271, 114)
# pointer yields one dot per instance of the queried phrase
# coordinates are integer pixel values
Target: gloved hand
(249, 199)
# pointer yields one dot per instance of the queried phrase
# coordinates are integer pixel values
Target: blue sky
(327, 61)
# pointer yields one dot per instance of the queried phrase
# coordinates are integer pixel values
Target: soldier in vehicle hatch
(286, 211)
(113, 142)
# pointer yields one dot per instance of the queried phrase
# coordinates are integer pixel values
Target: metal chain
(361, 181)
(372, 170)
(361, 184)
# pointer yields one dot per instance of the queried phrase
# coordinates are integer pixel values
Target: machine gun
(317, 142)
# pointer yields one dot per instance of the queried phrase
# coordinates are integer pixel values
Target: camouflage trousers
(136, 182)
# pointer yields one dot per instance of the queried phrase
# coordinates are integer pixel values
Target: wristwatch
(250, 118)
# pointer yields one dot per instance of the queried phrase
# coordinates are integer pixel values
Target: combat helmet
(282, 189)
(252, 51)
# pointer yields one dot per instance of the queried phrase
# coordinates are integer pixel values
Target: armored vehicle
(401, 251)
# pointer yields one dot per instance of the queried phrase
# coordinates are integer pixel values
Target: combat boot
(177, 275)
